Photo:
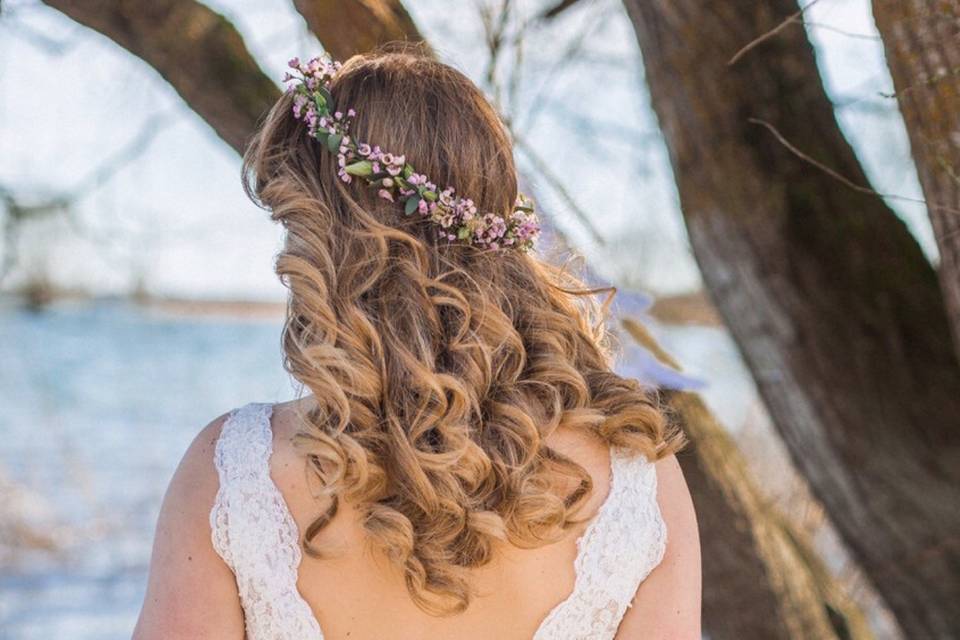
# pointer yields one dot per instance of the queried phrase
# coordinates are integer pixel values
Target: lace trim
(621, 546)
(255, 534)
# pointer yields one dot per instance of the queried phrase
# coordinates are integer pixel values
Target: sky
(173, 220)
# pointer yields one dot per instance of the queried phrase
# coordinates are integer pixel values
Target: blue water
(97, 404)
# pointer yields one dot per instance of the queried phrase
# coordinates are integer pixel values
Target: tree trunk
(755, 587)
(195, 49)
(922, 41)
(357, 26)
(831, 301)
(761, 578)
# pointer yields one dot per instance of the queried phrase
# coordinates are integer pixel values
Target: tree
(762, 580)
(832, 303)
(920, 38)
(351, 27)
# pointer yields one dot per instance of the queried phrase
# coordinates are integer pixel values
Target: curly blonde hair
(438, 370)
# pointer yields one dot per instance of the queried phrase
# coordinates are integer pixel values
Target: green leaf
(333, 142)
(463, 233)
(411, 204)
(430, 195)
(322, 107)
(327, 98)
(361, 168)
(407, 171)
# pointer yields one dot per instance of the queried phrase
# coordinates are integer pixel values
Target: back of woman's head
(437, 368)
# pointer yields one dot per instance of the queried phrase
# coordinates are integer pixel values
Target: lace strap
(253, 531)
(619, 549)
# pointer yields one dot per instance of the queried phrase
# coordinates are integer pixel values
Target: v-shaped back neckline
(263, 415)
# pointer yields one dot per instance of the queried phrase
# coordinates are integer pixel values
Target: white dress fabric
(255, 534)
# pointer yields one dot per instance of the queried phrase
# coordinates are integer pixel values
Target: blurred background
(772, 187)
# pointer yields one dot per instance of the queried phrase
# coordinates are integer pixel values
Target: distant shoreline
(244, 309)
(681, 309)
(181, 307)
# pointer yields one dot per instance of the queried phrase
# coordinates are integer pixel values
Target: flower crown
(396, 180)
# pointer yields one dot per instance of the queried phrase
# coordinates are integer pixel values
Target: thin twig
(544, 170)
(769, 34)
(557, 9)
(840, 177)
(572, 52)
(494, 33)
(616, 131)
(126, 154)
(514, 82)
(16, 213)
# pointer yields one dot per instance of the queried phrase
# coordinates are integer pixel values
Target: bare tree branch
(346, 27)
(558, 8)
(174, 36)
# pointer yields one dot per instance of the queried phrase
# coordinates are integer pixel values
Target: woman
(465, 464)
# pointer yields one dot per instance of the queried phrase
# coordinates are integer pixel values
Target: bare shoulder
(288, 464)
(667, 603)
(286, 422)
(194, 484)
(191, 593)
(196, 472)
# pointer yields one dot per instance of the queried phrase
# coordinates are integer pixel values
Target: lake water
(98, 401)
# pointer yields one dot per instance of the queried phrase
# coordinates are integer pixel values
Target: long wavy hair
(437, 369)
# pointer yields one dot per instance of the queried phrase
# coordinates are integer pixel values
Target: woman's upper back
(578, 587)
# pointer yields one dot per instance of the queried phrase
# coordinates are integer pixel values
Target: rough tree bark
(835, 308)
(196, 50)
(357, 26)
(756, 586)
(922, 41)
(761, 578)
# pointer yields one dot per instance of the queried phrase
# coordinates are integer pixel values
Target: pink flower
(444, 208)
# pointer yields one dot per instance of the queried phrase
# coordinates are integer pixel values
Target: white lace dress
(255, 534)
